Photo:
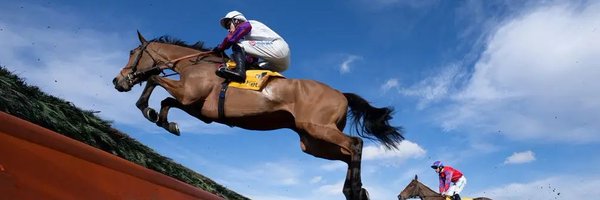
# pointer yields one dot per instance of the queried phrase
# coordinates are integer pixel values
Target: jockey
(452, 181)
(257, 40)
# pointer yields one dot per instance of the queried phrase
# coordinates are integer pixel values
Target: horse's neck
(427, 189)
(172, 52)
(206, 65)
(428, 193)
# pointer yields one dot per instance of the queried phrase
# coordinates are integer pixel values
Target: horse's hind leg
(353, 183)
(354, 170)
(330, 143)
(142, 102)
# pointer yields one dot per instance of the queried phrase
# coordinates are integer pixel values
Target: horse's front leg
(175, 88)
(179, 100)
(163, 121)
(142, 102)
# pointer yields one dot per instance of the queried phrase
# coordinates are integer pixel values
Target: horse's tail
(375, 121)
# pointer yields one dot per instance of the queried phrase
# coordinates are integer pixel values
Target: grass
(30, 103)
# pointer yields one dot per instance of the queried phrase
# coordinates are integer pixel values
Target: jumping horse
(315, 111)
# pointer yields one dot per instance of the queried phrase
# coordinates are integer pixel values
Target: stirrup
(262, 64)
(221, 72)
(231, 75)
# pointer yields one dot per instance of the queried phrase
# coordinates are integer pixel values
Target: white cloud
(536, 79)
(406, 150)
(334, 166)
(281, 173)
(328, 185)
(276, 173)
(520, 158)
(345, 66)
(317, 187)
(331, 189)
(435, 88)
(390, 84)
(564, 187)
(316, 179)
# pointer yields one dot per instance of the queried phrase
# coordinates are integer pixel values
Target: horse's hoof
(151, 115)
(364, 194)
(173, 128)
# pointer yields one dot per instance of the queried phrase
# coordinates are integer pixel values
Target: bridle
(158, 65)
(134, 73)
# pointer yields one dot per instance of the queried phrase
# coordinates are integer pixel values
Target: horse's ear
(142, 39)
(416, 178)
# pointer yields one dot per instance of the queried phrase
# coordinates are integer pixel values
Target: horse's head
(152, 57)
(138, 68)
(412, 190)
(416, 189)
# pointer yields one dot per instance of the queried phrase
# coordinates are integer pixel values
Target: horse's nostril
(115, 81)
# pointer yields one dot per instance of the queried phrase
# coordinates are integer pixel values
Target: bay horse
(315, 111)
(416, 189)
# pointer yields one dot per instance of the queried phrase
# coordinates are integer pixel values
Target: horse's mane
(423, 186)
(166, 39)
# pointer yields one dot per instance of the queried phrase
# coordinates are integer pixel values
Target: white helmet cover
(232, 15)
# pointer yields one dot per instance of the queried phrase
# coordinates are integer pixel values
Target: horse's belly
(241, 103)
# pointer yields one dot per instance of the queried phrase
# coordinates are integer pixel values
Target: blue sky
(505, 91)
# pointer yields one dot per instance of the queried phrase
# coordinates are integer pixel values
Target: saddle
(256, 77)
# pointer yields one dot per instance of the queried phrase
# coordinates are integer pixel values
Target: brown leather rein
(159, 65)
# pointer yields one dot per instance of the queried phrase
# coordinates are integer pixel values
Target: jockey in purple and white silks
(452, 181)
(257, 40)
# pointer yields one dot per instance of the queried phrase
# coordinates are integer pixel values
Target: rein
(189, 56)
(157, 66)
(170, 64)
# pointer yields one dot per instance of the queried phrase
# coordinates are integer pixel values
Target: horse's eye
(131, 52)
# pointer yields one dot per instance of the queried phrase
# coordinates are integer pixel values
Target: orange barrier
(36, 163)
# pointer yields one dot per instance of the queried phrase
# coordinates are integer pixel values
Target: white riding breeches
(456, 188)
(276, 52)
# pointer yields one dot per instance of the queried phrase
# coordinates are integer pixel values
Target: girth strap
(221, 104)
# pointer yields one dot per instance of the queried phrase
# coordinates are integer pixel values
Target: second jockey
(452, 181)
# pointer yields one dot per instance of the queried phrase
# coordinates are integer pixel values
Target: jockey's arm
(446, 181)
(441, 185)
(233, 37)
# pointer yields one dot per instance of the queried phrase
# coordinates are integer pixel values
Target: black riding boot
(239, 73)
(456, 197)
